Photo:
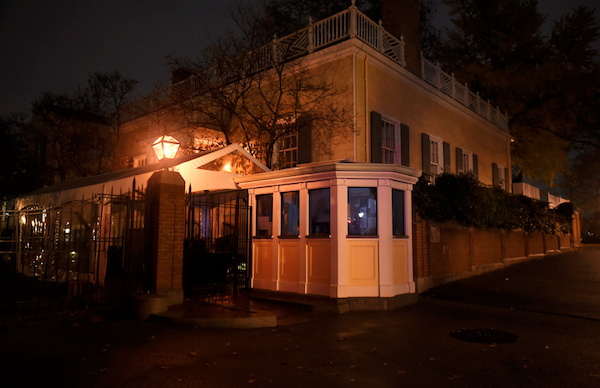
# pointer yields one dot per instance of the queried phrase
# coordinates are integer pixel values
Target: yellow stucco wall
(439, 115)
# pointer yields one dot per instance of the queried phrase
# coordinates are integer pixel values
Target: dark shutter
(376, 138)
(404, 145)
(304, 140)
(426, 153)
(475, 167)
(506, 181)
(447, 158)
(459, 160)
(495, 175)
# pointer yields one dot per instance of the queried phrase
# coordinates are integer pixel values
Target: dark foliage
(463, 199)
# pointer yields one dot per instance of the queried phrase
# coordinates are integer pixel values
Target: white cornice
(361, 49)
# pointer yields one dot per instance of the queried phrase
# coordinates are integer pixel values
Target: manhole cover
(485, 336)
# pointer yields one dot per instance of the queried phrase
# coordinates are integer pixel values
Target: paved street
(552, 304)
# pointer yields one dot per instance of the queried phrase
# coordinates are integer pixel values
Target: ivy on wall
(463, 199)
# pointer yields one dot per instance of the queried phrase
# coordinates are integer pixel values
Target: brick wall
(167, 219)
(446, 251)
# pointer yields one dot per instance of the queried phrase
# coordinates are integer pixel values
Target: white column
(276, 232)
(303, 285)
(384, 230)
(339, 231)
(408, 230)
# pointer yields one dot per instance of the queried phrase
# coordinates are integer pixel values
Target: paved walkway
(549, 304)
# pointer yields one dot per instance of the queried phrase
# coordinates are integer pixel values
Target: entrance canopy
(207, 170)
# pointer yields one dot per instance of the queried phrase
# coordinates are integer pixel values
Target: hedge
(465, 200)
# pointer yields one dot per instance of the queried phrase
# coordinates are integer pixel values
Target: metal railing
(351, 23)
(82, 255)
(445, 82)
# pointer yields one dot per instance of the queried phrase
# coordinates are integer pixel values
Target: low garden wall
(444, 252)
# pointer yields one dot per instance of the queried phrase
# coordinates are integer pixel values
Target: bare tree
(255, 89)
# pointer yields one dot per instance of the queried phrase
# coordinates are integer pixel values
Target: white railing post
(311, 45)
(478, 103)
(438, 76)
(380, 36)
(353, 17)
(466, 94)
(453, 89)
(402, 58)
(422, 65)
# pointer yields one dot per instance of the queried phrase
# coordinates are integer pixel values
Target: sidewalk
(547, 305)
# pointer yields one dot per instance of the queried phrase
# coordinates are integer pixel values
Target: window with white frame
(288, 149)
(436, 150)
(502, 177)
(467, 161)
(390, 142)
(287, 146)
(140, 160)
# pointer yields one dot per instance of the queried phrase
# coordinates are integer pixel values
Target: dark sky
(53, 45)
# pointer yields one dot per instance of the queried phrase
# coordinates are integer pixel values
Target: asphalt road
(550, 304)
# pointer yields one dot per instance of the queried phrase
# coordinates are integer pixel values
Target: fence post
(166, 193)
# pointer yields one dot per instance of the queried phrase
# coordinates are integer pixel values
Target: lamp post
(165, 147)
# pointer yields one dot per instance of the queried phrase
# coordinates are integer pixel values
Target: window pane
(290, 213)
(362, 211)
(264, 215)
(319, 211)
(398, 213)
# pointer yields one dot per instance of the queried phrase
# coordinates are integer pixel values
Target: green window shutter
(475, 167)
(426, 153)
(495, 175)
(447, 158)
(404, 145)
(376, 138)
(459, 160)
(304, 140)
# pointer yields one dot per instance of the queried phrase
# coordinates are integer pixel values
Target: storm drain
(485, 336)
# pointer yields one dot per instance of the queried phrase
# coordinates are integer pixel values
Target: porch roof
(189, 166)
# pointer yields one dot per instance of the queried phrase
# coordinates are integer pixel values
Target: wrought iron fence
(79, 256)
(216, 250)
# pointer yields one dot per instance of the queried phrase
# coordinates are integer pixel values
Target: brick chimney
(401, 17)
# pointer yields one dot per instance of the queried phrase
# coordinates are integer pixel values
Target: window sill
(319, 236)
(362, 236)
(402, 236)
(292, 237)
(262, 237)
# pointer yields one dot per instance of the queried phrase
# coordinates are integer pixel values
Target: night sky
(54, 45)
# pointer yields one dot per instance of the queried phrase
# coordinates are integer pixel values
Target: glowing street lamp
(165, 147)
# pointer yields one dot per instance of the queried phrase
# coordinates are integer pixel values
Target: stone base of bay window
(321, 304)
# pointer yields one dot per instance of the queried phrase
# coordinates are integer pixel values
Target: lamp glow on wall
(165, 147)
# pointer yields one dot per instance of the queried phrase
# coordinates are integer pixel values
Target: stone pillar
(166, 220)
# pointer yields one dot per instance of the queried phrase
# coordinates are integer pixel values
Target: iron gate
(81, 255)
(217, 249)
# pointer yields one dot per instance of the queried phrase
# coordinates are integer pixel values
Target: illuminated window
(362, 211)
(319, 212)
(290, 214)
(264, 215)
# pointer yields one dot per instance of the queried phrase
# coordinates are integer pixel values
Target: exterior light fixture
(165, 147)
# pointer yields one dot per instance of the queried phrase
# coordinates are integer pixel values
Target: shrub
(463, 199)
